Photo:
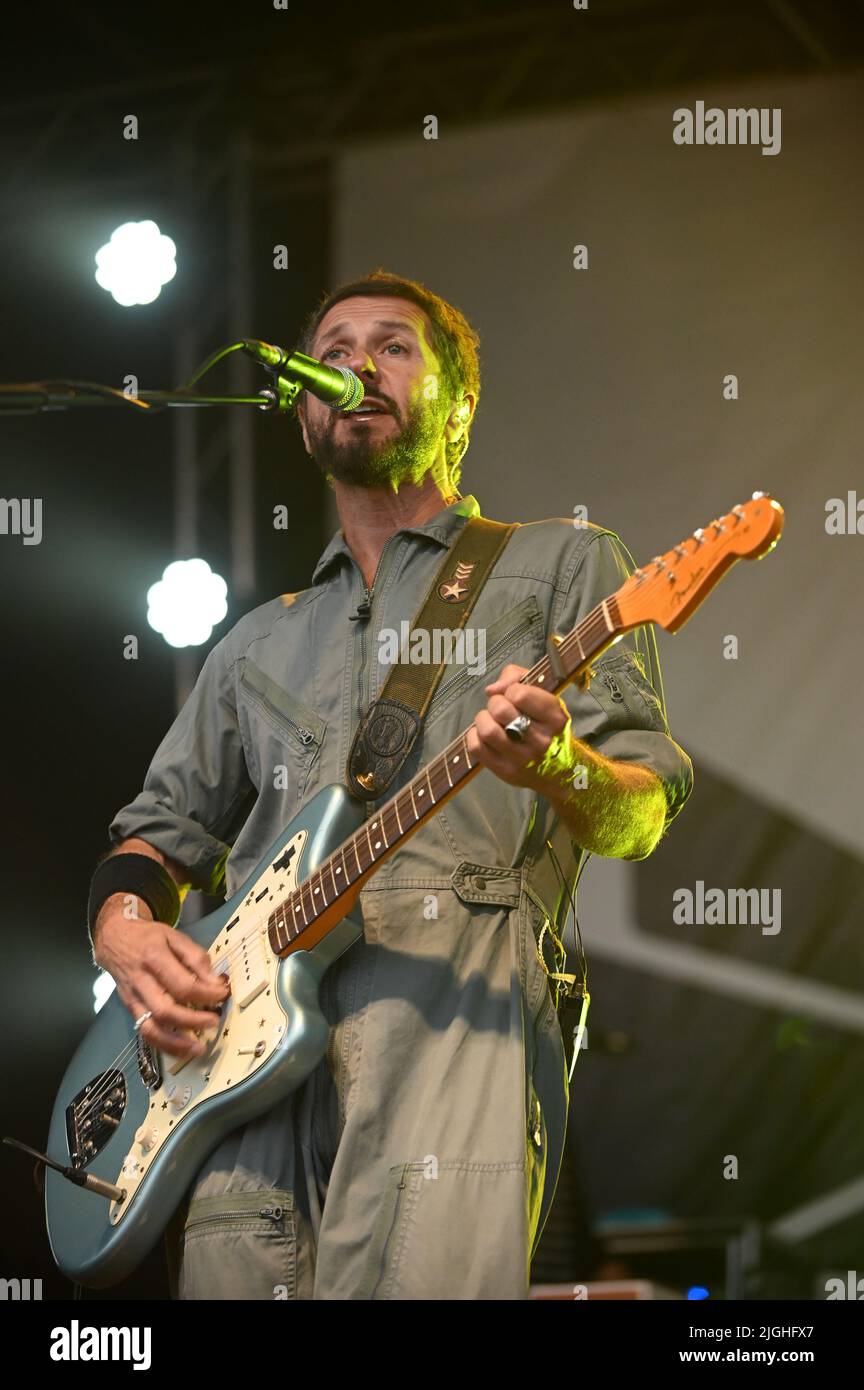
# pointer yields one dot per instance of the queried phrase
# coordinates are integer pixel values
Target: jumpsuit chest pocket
(279, 731)
(240, 1245)
(503, 639)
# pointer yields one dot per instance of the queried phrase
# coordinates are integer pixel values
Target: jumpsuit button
(480, 883)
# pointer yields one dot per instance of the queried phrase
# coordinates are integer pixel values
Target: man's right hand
(154, 966)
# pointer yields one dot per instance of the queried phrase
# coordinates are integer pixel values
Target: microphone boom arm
(33, 397)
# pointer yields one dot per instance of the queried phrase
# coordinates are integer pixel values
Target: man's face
(387, 342)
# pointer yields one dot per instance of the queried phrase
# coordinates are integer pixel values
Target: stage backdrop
(603, 387)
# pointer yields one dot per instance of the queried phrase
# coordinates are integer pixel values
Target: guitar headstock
(671, 587)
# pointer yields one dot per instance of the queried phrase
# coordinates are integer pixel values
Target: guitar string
(573, 639)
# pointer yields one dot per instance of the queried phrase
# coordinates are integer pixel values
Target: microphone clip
(282, 395)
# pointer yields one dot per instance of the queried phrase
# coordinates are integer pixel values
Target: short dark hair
(454, 341)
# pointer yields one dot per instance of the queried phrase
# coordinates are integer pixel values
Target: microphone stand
(290, 373)
(34, 397)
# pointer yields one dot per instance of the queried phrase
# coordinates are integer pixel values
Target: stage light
(136, 263)
(697, 1292)
(187, 603)
(103, 988)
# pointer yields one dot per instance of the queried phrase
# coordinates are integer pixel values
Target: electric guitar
(131, 1126)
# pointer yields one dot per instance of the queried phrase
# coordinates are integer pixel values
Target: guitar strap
(389, 728)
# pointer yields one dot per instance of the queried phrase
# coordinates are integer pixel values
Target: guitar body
(150, 1119)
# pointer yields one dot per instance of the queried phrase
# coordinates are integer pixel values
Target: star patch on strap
(456, 590)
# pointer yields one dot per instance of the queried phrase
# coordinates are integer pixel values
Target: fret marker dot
(456, 759)
(377, 844)
(540, 680)
(374, 825)
(317, 890)
(422, 791)
(338, 871)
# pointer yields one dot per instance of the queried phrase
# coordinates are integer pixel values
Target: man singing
(418, 1160)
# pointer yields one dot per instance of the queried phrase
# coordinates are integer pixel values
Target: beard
(357, 458)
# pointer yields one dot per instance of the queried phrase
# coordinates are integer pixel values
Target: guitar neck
(338, 880)
(667, 592)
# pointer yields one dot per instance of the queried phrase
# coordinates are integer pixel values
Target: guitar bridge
(149, 1066)
(93, 1116)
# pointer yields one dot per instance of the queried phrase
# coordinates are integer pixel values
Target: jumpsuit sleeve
(197, 791)
(623, 714)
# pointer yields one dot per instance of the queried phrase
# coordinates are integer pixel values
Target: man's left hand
(518, 763)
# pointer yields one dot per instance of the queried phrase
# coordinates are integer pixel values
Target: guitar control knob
(146, 1136)
(178, 1096)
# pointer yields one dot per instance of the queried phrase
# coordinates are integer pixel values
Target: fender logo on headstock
(681, 594)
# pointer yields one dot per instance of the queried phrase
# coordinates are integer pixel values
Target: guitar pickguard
(251, 1027)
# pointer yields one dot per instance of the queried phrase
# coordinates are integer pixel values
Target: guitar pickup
(250, 967)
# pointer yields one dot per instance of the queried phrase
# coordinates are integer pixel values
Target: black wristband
(136, 875)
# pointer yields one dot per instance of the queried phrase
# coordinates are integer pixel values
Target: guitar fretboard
(379, 836)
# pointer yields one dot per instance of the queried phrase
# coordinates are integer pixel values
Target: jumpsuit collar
(441, 527)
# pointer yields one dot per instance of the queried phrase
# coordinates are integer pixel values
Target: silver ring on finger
(517, 728)
(143, 1019)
